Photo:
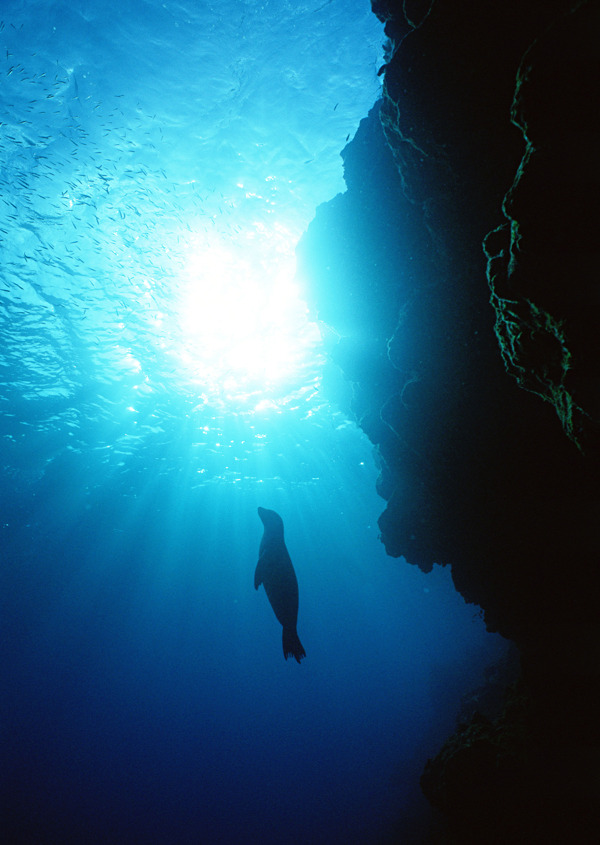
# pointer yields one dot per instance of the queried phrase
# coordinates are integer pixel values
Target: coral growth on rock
(542, 263)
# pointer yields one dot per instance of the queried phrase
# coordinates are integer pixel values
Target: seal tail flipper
(292, 644)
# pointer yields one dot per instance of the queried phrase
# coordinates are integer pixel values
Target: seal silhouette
(276, 572)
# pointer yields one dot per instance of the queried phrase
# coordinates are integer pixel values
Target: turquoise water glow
(160, 162)
(161, 378)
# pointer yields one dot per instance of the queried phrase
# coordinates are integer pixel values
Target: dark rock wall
(499, 482)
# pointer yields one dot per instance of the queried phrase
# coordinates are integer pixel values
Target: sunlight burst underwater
(151, 213)
(244, 332)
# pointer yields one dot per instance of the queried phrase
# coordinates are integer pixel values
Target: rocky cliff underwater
(459, 276)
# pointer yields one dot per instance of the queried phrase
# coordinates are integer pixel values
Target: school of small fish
(103, 199)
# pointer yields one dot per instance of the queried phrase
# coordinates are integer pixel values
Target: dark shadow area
(498, 481)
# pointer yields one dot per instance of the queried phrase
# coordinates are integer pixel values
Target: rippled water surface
(158, 163)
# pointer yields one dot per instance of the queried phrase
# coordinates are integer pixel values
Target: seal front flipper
(259, 572)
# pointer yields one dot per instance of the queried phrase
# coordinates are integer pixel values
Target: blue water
(161, 378)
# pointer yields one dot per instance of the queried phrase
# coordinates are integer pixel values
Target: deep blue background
(147, 695)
